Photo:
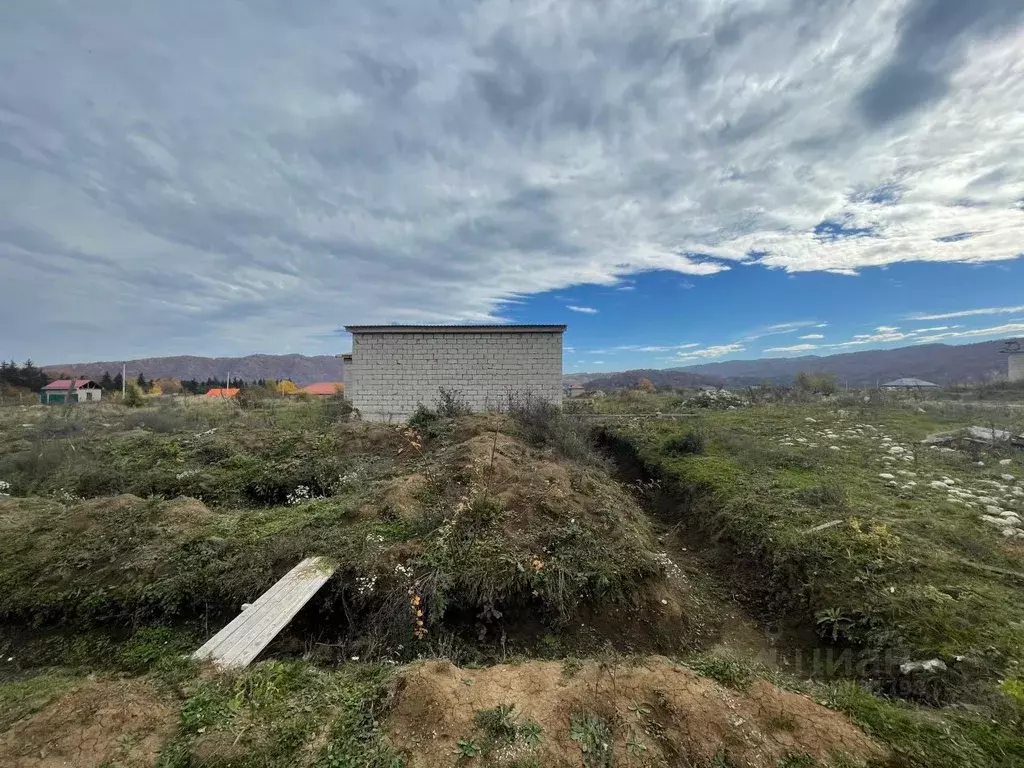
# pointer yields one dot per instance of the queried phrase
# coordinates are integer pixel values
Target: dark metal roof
(493, 328)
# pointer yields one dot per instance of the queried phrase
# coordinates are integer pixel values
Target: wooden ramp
(241, 641)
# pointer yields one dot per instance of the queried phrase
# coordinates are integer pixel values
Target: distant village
(27, 381)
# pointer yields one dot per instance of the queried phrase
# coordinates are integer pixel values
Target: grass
(285, 714)
(904, 568)
(897, 573)
(22, 697)
(114, 524)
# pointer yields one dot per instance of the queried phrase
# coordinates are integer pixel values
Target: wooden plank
(251, 631)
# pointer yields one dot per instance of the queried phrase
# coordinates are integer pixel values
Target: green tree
(133, 395)
(106, 383)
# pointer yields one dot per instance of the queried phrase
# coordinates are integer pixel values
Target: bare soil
(678, 717)
(119, 723)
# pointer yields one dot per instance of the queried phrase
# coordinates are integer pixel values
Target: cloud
(584, 310)
(780, 328)
(644, 348)
(1008, 329)
(888, 334)
(813, 336)
(794, 348)
(708, 352)
(970, 313)
(223, 178)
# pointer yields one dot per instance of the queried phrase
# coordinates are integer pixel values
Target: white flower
(365, 584)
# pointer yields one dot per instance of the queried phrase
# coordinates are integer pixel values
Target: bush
(422, 417)
(337, 407)
(451, 404)
(544, 424)
(693, 442)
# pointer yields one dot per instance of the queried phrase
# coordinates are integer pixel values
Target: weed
(467, 748)
(730, 671)
(498, 724)
(593, 734)
(150, 645)
(279, 711)
(531, 732)
(451, 404)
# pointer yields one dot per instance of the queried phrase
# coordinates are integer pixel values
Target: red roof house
(324, 389)
(222, 392)
(71, 391)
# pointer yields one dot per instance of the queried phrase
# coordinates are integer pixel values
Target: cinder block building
(393, 368)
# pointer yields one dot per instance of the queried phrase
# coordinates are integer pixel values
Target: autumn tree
(645, 385)
(286, 387)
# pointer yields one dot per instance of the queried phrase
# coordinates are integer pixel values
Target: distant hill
(938, 363)
(299, 368)
(658, 377)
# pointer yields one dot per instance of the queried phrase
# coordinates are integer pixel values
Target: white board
(241, 641)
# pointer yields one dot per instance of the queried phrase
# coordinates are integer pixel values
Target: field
(768, 585)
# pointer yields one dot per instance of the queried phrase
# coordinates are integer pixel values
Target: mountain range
(299, 368)
(938, 363)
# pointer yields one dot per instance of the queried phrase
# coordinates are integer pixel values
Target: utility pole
(124, 381)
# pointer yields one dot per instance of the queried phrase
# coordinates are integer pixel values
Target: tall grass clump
(544, 424)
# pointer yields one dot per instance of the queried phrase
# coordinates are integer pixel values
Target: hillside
(299, 368)
(940, 363)
(660, 378)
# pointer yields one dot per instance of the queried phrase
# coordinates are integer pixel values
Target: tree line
(27, 376)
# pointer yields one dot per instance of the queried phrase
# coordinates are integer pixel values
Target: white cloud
(886, 329)
(779, 328)
(1007, 329)
(644, 348)
(813, 336)
(408, 165)
(794, 348)
(970, 313)
(708, 352)
(584, 310)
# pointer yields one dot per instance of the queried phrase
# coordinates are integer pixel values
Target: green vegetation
(595, 738)
(164, 514)
(801, 502)
(286, 714)
(129, 534)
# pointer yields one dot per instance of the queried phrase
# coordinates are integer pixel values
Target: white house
(71, 391)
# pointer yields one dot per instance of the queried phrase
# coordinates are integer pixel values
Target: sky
(679, 182)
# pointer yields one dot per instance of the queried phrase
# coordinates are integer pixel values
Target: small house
(573, 388)
(324, 389)
(71, 391)
(222, 392)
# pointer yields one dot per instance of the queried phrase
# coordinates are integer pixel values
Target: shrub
(337, 407)
(544, 424)
(422, 416)
(451, 403)
(693, 442)
(829, 492)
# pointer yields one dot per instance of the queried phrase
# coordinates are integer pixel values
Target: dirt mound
(651, 715)
(103, 723)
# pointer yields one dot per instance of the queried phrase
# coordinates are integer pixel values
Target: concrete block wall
(1015, 370)
(391, 373)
